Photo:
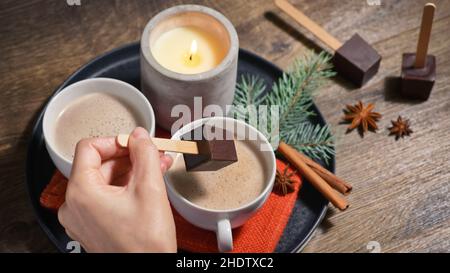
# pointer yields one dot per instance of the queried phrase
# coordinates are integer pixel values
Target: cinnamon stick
(321, 185)
(334, 181)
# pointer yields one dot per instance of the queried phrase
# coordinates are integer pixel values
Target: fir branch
(251, 90)
(315, 141)
(293, 94)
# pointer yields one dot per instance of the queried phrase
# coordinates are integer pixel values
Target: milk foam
(231, 187)
(93, 115)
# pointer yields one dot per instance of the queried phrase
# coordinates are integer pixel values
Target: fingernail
(140, 133)
(163, 168)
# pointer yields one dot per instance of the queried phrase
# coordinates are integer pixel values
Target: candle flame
(193, 50)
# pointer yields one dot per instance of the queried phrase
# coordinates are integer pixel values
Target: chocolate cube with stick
(417, 83)
(419, 69)
(355, 60)
(216, 149)
(206, 148)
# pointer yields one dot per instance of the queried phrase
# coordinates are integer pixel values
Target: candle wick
(190, 57)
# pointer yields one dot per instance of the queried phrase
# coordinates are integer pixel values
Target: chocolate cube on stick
(216, 149)
(417, 83)
(354, 60)
(419, 69)
(206, 148)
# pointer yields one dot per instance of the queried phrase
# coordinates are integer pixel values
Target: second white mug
(222, 221)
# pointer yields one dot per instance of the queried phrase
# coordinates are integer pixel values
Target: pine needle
(315, 141)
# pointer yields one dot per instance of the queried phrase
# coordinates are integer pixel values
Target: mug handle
(224, 236)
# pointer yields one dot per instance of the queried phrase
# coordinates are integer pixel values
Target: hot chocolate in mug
(221, 220)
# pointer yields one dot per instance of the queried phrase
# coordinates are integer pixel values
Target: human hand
(116, 200)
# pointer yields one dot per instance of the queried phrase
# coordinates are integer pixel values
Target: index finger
(91, 152)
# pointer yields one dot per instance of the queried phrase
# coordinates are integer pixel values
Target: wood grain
(401, 188)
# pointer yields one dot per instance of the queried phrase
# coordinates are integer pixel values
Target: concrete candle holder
(165, 88)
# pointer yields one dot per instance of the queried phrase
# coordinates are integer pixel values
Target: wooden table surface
(401, 196)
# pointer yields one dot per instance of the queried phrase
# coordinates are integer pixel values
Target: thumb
(144, 158)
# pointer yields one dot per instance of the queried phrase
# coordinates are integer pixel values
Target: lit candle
(188, 50)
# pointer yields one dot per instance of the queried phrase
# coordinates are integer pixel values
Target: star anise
(361, 117)
(283, 181)
(400, 128)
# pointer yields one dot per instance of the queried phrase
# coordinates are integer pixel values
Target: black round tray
(123, 64)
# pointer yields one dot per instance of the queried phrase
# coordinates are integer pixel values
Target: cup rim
(267, 188)
(223, 65)
(62, 92)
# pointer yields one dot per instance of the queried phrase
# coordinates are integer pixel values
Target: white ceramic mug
(222, 221)
(122, 90)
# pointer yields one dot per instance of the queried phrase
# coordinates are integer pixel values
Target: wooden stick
(164, 144)
(334, 181)
(424, 36)
(309, 24)
(326, 190)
